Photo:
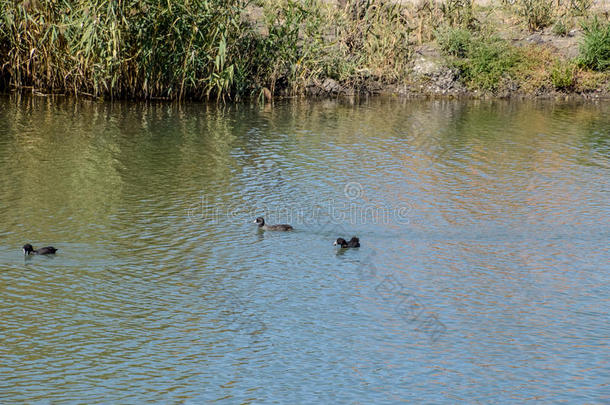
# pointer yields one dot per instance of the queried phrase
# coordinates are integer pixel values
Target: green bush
(454, 41)
(595, 45)
(562, 76)
(488, 60)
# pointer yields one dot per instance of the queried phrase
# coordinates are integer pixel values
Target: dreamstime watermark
(354, 210)
(353, 190)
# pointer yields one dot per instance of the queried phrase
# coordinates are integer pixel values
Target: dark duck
(281, 227)
(354, 242)
(29, 250)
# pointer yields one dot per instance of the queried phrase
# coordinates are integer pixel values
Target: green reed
(197, 48)
(122, 48)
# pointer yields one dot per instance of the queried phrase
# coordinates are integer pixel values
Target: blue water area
(483, 275)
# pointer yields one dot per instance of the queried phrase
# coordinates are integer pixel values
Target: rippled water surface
(483, 275)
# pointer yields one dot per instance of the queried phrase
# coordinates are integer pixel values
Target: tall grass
(458, 12)
(121, 48)
(275, 58)
(538, 13)
(595, 45)
(198, 48)
(375, 42)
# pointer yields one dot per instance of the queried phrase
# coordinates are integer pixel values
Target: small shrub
(454, 41)
(488, 62)
(588, 80)
(563, 76)
(491, 60)
(595, 45)
(534, 67)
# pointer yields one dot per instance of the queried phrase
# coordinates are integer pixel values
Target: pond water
(483, 274)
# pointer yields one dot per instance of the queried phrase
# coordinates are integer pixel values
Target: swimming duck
(353, 243)
(281, 227)
(29, 250)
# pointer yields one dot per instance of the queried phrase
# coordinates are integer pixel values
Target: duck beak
(335, 243)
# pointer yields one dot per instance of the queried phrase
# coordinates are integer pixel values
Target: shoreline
(406, 92)
(435, 90)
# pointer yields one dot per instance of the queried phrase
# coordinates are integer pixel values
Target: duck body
(260, 221)
(354, 242)
(29, 250)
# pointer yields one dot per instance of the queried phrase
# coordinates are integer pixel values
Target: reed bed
(197, 48)
(232, 49)
(121, 48)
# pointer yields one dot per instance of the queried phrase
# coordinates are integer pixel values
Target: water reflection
(482, 274)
